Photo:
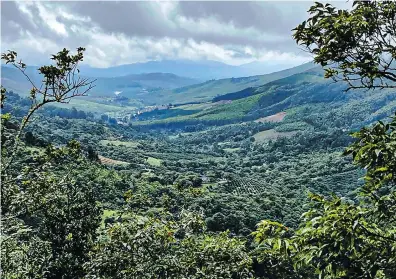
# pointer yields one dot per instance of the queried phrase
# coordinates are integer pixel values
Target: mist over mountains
(202, 69)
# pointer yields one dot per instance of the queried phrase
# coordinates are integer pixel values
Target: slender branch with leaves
(61, 82)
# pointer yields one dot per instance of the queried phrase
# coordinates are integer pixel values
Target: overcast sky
(119, 32)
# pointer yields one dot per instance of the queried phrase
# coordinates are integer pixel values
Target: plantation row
(249, 186)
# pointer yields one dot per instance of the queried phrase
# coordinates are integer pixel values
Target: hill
(200, 69)
(14, 80)
(129, 86)
(212, 88)
(132, 86)
(301, 96)
(153, 88)
(249, 156)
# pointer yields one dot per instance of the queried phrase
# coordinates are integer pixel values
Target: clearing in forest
(278, 117)
(271, 134)
(120, 143)
(108, 161)
(154, 161)
(230, 150)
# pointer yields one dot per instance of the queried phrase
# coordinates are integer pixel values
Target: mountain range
(156, 87)
(202, 70)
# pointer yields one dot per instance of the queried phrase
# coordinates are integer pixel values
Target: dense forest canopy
(265, 182)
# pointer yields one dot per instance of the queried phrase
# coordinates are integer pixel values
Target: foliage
(340, 238)
(144, 247)
(337, 238)
(50, 217)
(181, 205)
(357, 45)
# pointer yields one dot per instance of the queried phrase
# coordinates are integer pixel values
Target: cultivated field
(250, 186)
(272, 118)
(108, 161)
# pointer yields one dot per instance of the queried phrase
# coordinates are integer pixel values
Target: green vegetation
(94, 107)
(153, 161)
(120, 143)
(211, 193)
(107, 214)
(210, 89)
(261, 137)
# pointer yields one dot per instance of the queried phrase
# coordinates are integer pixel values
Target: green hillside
(286, 175)
(128, 93)
(154, 88)
(292, 94)
(210, 89)
(236, 161)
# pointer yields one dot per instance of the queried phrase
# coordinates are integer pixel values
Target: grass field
(230, 150)
(220, 111)
(154, 161)
(96, 108)
(201, 106)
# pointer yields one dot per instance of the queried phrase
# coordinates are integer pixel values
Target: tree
(29, 138)
(356, 46)
(162, 247)
(92, 154)
(339, 238)
(49, 217)
(60, 84)
(104, 117)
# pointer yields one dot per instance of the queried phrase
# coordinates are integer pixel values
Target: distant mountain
(157, 88)
(132, 86)
(129, 85)
(203, 70)
(13, 80)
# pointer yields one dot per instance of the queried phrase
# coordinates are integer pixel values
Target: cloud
(120, 32)
(258, 15)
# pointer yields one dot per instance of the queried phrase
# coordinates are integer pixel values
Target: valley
(252, 154)
(192, 140)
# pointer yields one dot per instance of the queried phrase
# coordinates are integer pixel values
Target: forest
(292, 178)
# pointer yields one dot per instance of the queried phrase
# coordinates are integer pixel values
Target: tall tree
(49, 218)
(339, 238)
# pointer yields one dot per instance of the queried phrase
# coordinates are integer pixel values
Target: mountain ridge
(199, 69)
(157, 88)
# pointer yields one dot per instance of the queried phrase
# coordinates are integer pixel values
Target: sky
(121, 32)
